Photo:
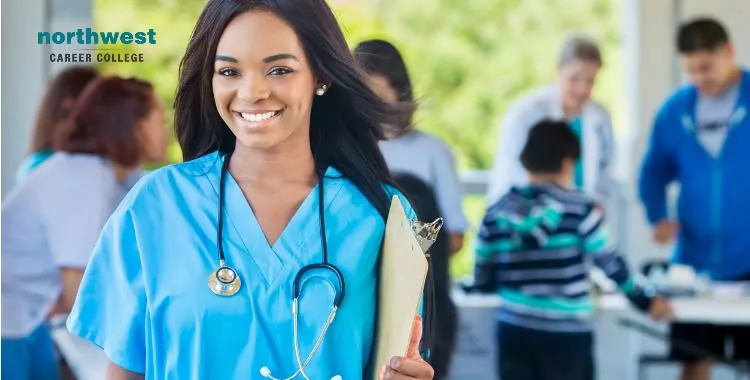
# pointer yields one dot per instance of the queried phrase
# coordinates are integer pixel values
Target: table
(475, 355)
(86, 360)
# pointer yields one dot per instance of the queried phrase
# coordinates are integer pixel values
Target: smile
(258, 116)
(257, 119)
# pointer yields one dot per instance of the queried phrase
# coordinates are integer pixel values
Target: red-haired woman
(58, 100)
(54, 217)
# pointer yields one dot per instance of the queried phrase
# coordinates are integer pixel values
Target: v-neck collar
(292, 245)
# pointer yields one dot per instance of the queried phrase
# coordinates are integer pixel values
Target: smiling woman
(284, 80)
(283, 185)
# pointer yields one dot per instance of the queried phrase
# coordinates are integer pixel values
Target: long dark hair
(379, 57)
(346, 123)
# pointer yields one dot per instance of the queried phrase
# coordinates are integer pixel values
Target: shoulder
(535, 100)
(172, 181)
(529, 108)
(30, 163)
(681, 95)
(347, 201)
(68, 174)
(678, 99)
(393, 193)
(432, 143)
(197, 167)
(598, 108)
(573, 200)
(745, 84)
(669, 115)
(73, 167)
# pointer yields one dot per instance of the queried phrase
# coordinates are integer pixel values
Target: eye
(278, 71)
(227, 72)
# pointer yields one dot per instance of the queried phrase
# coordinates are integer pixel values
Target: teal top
(576, 125)
(31, 162)
(154, 257)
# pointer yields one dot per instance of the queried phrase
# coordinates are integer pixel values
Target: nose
(253, 88)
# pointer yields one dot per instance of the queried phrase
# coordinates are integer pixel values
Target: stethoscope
(225, 281)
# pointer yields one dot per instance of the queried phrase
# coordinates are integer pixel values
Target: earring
(321, 90)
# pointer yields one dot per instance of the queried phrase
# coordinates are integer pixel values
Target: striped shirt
(534, 247)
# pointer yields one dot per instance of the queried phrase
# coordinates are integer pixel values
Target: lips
(258, 116)
(256, 119)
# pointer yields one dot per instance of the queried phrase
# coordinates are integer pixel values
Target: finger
(412, 368)
(416, 335)
(391, 374)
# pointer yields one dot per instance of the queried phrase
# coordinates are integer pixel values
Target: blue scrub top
(577, 126)
(145, 298)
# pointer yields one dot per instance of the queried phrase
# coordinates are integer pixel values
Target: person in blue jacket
(701, 139)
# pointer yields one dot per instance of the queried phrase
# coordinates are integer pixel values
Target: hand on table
(411, 366)
(661, 309)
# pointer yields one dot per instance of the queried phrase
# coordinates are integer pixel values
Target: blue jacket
(714, 203)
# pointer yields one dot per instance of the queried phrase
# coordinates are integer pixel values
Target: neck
(273, 166)
(122, 172)
(569, 111)
(557, 179)
(393, 132)
(733, 79)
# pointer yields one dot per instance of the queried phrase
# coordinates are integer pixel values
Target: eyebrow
(269, 59)
(226, 58)
(277, 57)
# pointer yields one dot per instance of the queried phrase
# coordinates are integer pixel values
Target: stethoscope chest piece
(224, 281)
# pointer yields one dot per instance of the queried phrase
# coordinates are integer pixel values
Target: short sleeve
(110, 309)
(72, 247)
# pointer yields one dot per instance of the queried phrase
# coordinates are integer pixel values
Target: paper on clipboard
(403, 272)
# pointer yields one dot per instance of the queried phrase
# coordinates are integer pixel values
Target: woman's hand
(411, 366)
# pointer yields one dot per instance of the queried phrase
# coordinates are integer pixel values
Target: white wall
(26, 69)
(24, 73)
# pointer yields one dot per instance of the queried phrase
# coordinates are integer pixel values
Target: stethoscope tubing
(296, 287)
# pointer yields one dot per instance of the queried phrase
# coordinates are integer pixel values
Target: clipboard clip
(426, 233)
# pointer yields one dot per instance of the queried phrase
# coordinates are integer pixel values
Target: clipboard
(403, 272)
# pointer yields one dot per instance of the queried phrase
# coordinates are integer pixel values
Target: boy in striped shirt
(533, 247)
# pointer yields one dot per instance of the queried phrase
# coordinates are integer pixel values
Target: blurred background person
(58, 99)
(424, 202)
(535, 246)
(700, 138)
(407, 149)
(569, 99)
(54, 217)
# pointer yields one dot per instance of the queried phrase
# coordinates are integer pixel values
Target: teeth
(257, 116)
